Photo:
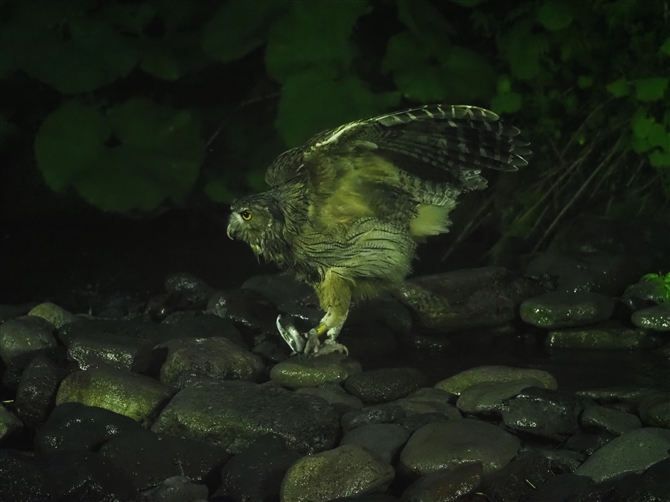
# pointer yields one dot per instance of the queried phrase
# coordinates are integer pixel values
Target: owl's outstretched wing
(439, 144)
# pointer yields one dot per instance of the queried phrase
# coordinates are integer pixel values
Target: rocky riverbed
(549, 383)
(452, 390)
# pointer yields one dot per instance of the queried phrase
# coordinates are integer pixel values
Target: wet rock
(445, 485)
(386, 384)
(487, 398)
(9, 424)
(195, 290)
(648, 289)
(614, 421)
(367, 498)
(380, 414)
(55, 315)
(136, 396)
(458, 383)
(121, 352)
(629, 488)
(645, 241)
(587, 443)
(634, 451)
(414, 422)
(345, 471)
(91, 328)
(656, 318)
(607, 336)
(37, 390)
(652, 485)
(561, 488)
(244, 307)
(302, 371)
(332, 393)
(256, 473)
(202, 326)
(75, 427)
(416, 405)
(622, 393)
(288, 295)
(175, 489)
(432, 395)
(385, 310)
(369, 340)
(439, 446)
(8, 312)
(272, 351)
(518, 479)
(566, 310)
(543, 412)
(602, 273)
(382, 440)
(562, 460)
(654, 409)
(24, 338)
(71, 476)
(148, 458)
(466, 299)
(425, 340)
(232, 414)
(192, 359)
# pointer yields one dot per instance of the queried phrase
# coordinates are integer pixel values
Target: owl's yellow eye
(246, 215)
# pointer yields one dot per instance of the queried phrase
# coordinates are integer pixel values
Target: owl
(347, 210)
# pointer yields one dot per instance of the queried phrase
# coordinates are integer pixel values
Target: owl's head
(255, 220)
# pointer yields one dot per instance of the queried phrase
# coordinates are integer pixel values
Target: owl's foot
(310, 343)
(316, 347)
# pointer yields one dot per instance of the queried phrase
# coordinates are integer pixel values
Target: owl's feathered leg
(334, 294)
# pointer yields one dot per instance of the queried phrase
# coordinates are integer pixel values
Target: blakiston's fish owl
(347, 209)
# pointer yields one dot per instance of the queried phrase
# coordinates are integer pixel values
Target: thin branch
(472, 225)
(577, 194)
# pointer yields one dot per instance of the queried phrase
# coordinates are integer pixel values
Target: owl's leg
(334, 294)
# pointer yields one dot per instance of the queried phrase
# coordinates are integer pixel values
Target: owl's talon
(330, 346)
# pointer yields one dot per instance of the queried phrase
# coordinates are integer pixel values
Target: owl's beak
(230, 232)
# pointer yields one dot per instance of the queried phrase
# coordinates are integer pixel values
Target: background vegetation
(134, 106)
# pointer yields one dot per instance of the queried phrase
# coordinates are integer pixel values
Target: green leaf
(310, 34)
(504, 84)
(468, 76)
(665, 48)
(303, 111)
(523, 50)
(160, 63)
(585, 81)
(67, 49)
(508, 102)
(404, 52)
(218, 190)
(650, 89)
(240, 26)
(555, 15)
(415, 76)
(467, 3)
(133, 157)
(659, 159)
(619, 88)
(131, 17)
(69, 142)
(642, 124)
(426, 23)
